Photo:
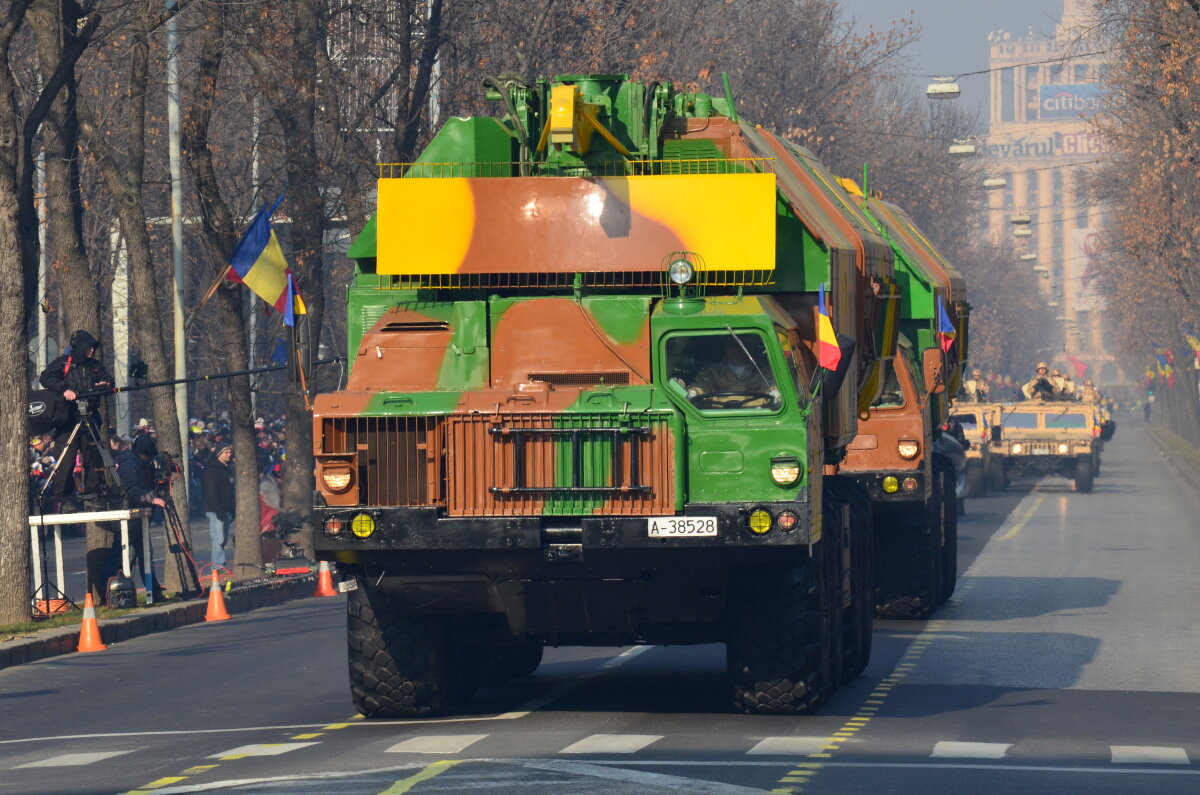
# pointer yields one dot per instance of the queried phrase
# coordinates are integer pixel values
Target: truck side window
(723, 371)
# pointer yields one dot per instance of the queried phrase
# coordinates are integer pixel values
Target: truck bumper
(572, 580)
(874, 483)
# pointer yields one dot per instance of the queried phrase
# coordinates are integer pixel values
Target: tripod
(46, 592)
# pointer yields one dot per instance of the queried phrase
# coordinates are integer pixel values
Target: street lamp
(1022, 231)
(1028, 258)
(995, 183)
(942, 88)
(963, 149)
(1020, 219)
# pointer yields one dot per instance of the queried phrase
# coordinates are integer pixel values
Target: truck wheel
(949, 545)
(779, 645)
(398, 662)
(907, 562)
(858, 619)
(997, 481)
(1083, 475)
(976, 482)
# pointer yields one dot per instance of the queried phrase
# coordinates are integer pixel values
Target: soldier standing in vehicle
(1090, 394)
(1064, 387)
(975, 387)
(1040, 387)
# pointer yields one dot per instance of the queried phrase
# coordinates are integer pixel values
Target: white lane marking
(638, 777)
(611, 744)
(1148, 755)
(436, 744)
(955, 750)
(695, 785)
(261, 749)
(72, 760)
(789, 745)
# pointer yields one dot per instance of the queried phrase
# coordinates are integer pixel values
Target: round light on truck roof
(681, 272)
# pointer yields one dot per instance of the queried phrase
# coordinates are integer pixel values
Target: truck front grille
(397, 458)
(557, 464)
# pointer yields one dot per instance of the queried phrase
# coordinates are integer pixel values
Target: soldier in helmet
(1089, 394)
(975, 387)
(1040, 387)
(1064, 387)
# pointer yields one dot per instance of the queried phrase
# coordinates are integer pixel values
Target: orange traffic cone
(89, 633)
(325, 581)
(216, 602)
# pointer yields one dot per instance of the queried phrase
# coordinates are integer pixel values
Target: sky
(954, 32)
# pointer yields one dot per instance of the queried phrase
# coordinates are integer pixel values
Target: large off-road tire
(399, 663)
(907, 561)
(779, 644)
(997, 479)
(977, 485)
(944, 471)
(1084, 475)
(858, 618)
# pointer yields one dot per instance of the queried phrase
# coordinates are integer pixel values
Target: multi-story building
(1043, 90)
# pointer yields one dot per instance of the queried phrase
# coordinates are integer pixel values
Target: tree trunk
(220, 237)
(126, 184)
(14, 474)
(54, 22)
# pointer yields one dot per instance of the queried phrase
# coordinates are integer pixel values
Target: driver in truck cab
(737, 379)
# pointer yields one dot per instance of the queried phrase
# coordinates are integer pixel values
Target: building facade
(1043, 90)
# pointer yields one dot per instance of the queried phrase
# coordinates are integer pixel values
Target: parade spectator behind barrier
(77, 372)
(219, 504)
(135, 469)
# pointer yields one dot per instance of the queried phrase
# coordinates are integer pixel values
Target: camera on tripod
(164, 468)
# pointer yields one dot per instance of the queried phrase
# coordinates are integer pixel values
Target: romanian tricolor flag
(258, 263)
(829, 355)
(946, 332)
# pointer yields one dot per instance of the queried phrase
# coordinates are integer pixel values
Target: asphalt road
(1068, 661)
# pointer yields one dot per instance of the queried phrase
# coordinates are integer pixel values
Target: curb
(154, 619)
(1183, 470)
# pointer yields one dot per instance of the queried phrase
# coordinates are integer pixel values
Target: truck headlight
(785, 470)
(1064, 448)
(1016, 448)
(908, 448)
(337, 477)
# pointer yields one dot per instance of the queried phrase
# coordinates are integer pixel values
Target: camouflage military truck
(1045, 437)
(895, 454)
(585, 406)
(976, 421)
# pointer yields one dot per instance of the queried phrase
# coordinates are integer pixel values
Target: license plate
(681, 526)
(1041, 449)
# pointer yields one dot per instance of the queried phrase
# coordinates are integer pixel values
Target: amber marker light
(891, 485)
(363, 525)
(760, 521)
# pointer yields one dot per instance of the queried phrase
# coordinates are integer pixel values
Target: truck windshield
(723, 371)
(1067, 421)
(967, 421)
(1022, 420)
(892, 395)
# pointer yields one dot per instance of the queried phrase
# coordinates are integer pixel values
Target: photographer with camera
(219, 502)
(77, 372)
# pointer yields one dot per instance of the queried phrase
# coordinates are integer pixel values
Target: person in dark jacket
(77, 372)
(135, 470)
(219, 503)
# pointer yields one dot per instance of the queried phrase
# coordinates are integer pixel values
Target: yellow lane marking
(234, 756)
(406, 784)
(1011, 534)
(337, 725)
(307, 736)
(200, 769)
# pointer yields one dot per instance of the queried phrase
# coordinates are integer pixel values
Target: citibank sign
(1069, 101)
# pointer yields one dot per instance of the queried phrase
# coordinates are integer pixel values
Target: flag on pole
(946, 332)
(258, 262)
(829, 355)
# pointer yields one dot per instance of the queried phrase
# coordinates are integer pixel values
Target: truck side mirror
(933, 364)
(996, 433)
